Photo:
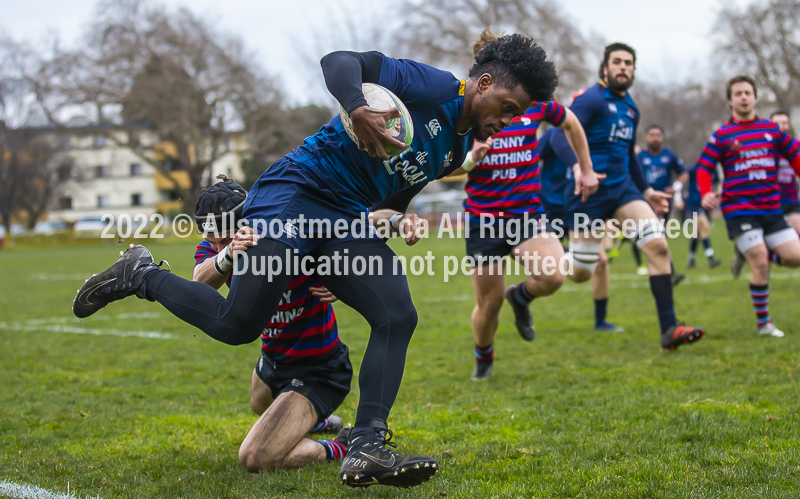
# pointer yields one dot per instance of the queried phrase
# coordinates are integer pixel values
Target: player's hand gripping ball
(381, 99)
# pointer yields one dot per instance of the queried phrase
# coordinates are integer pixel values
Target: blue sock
(522, 295)
(333, 450)
(661, 287)
(321, 426)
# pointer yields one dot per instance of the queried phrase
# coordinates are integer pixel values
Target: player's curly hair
(514, 60)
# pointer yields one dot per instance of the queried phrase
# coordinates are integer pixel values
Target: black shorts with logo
(500, 238)
(324, 383)
(768, 223)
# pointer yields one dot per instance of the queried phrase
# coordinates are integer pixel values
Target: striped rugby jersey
(787, 182)
(506, 182)
(302, 329)
(748, 152)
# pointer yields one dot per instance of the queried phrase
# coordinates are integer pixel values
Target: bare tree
(763, 40)
(169, 71)
(443, 31)
(688, 113)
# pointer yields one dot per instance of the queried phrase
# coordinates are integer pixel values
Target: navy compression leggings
(383, 300)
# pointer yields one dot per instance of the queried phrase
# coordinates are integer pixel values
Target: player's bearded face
(495, 107)
(619, 70)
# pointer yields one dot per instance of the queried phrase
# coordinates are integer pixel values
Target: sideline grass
(573, 414)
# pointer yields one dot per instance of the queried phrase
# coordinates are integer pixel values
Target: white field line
(53, 326)
(635, 282)
(25, 491)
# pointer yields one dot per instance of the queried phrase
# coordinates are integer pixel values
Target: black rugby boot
(369, 462)
(123, 279)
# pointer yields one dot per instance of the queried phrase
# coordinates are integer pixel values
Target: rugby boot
(523, 319)
(679, 334)
(483, 370)
(769, 329)
(370, 462)
(123, 279)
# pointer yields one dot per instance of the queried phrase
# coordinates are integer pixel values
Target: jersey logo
(631, 113)
(290, 229)
(461, 87)
(433, 127)
(526, 121)
(646, 161)
(664, 159)
(421, 157)
(447, 159)
(745, 227)
(612, 107)
(768, 136)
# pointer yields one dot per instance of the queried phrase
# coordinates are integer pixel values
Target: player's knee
(657, 250)
(583, 258)
(257, 460)
(402, 317)
(489, 305)
(550, 282)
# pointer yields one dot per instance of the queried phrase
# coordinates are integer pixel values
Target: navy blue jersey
(556, 170)
(435, 101)
(694, 198)
(658, 168)
(610, 122)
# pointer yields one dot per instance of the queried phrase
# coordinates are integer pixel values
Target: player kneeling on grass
(304, 372)
(748, 147)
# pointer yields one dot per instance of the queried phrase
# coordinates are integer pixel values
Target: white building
(102, 177)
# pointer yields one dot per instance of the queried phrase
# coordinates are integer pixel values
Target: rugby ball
(380, 98)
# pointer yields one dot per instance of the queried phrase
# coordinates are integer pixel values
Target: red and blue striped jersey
(506, 182)
(748, 152)
(787, 181)
(302, 329)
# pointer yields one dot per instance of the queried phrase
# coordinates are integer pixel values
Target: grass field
(134, 403)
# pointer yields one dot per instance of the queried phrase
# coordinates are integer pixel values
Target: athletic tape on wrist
(223, 263)
(394, 221)
(469, 163)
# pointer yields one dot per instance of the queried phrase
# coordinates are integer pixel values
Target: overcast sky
(673, 39)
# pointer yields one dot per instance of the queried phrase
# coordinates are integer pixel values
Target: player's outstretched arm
(588, 182)
(408, 225)
(205, 272)
(344, 73)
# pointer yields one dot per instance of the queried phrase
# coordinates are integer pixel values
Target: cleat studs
(344, 477)
(416, 466)
(130, 246)
(358, 477)
(427, 465)
(395, 473)
(434, 465)
(402, 470)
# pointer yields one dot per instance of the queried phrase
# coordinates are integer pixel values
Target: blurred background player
(558, 163)
(787, 177)
(304, 371)
(748, 147)
(659, 165)
(610, 117)
(694, 209)
(503, 182)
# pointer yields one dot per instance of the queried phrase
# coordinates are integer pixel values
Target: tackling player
(610, 117)
(694, 209)
(304, 371)
(787, 178)
(658, 166)
(748, 146)
(330, 178)
(558, 163)
(503, 190)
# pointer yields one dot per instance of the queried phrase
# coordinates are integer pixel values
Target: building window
(64, 172)
(65, 203)
(99, 141)
(136, 169)
(136, 200)
(102, 201)
(100, 171)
